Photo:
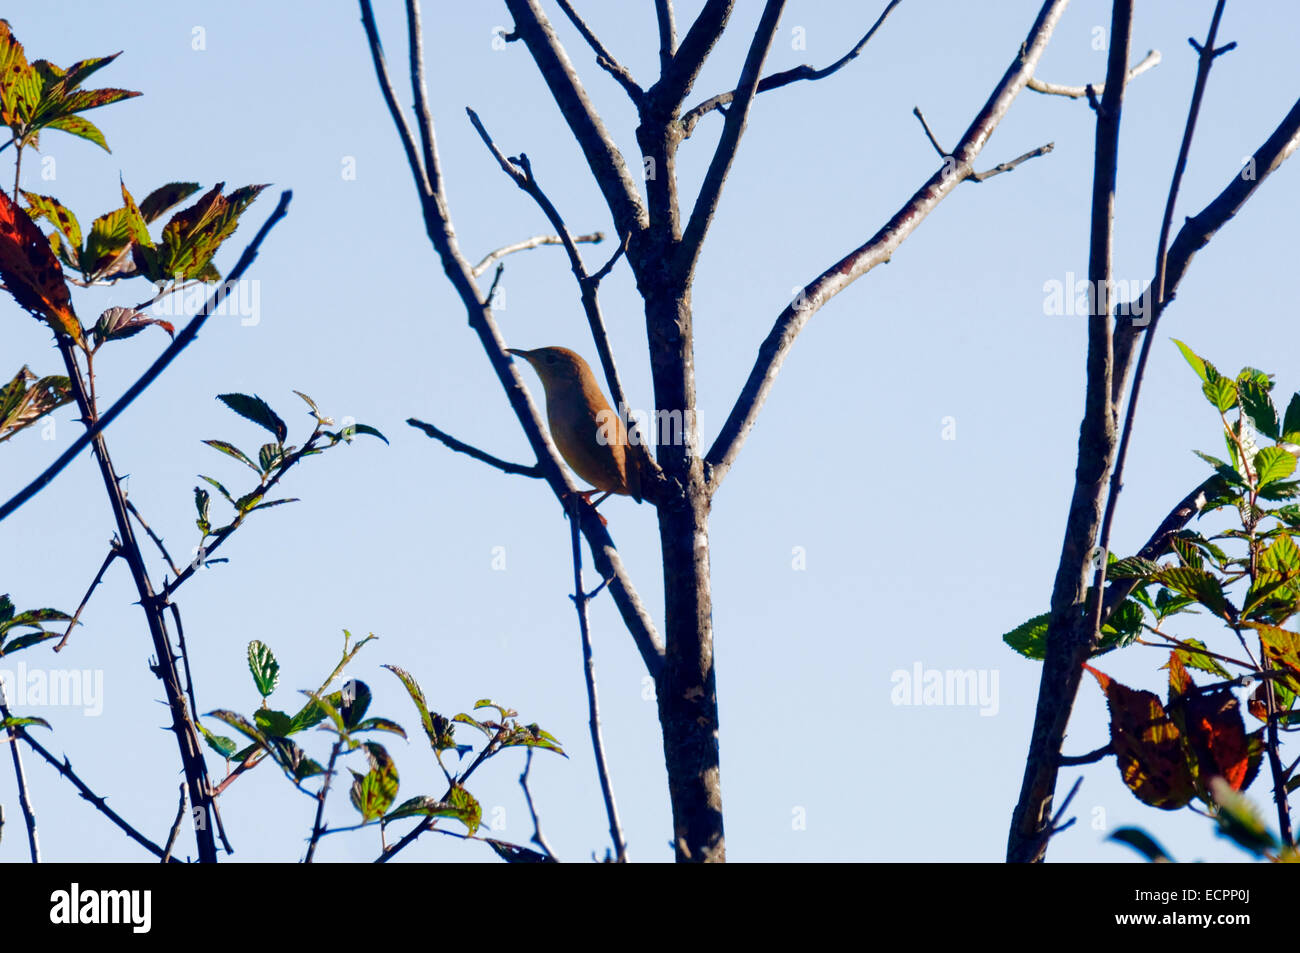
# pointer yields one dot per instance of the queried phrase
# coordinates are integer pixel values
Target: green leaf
(362, 428)
(270, 456)
(219, 743)
(265, 669)
(1291, 422)
(380, 724)
(273, 723)
(231, 450)
(26, 642)
(1272, 464)
(1143, 843)
(241, 725)
(25, 400)
(1227, 473)
(1199, 585)
(1221, 392)
(1030, 638)
(1198, 365)
(532, 736)
(1253, 387)
(220, 489)
(258, 411)
(164, 197)
(1132, 567)
(23, 722)
(201, 500)
(373, 792)
(1198, 660)
(459, 805)
(1238, 819)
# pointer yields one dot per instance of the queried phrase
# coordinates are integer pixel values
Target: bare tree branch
(878, 249)
(505, 466)
(785, 77)
(667, 33)
(594, 238)
(604, 158)
(706, 203)
(604, 58)
(1151, 60)
(176, 828)
(20, 779)
(157, 540)
(676, 81)
(580, 599)
(420, 94)
(538, 837)
(113, 552)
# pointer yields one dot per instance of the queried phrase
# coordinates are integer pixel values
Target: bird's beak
(517, 353)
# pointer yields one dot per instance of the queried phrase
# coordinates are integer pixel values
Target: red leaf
(32, 273)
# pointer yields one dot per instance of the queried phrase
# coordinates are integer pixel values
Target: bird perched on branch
(588, 434)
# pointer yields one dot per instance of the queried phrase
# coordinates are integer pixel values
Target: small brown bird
(588, 434)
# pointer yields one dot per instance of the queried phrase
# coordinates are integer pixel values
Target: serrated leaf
(1198, 365)
(118, 323)
(1252, 386)
(373, 792)
(264, 667)
(258, 411)
(1030, 638)
(165, 197)
(273, 723)
(222, 745)
(362, 428)
(26, 399)
(1197, 584)
(1221, 392)
(1272, 464)
(231, 450)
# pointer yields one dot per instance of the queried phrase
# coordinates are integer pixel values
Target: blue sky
(915, 549)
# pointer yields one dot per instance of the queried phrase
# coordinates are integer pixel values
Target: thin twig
(604, 58)
(182, 340)
(459, 446)
(114, 552)
(593, 708)
(176, 828)
(20, 779)
(1089, 758)
(990, 173)
(318, 826)
(1151, 60)
(594, 238)
(916, 111)
(157, 540)
(785, 77)
(185, 660)
(1008, 166)
(538, 837)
